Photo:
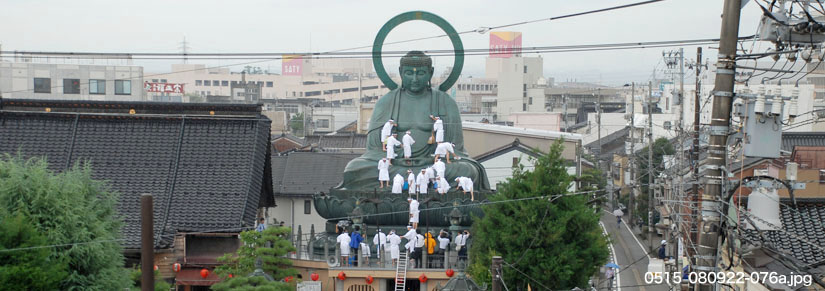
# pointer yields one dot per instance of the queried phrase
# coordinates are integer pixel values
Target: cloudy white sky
(310, 25)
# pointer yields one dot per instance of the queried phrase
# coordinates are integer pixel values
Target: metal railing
(323, 247)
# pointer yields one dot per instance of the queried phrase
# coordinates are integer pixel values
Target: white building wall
(292, 212)
(17, 81)
(501, 167)
(514, 75)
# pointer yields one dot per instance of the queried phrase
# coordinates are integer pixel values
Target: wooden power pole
(710, 207)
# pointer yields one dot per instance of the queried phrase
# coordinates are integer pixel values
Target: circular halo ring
(378, 46)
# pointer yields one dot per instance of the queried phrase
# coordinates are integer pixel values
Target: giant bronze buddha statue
(411, 106)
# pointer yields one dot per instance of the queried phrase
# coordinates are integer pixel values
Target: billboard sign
(505, 44)
(292, 65)
(163, 87)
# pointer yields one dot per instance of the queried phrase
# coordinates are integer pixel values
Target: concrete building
(514, 75)
(480, 138)
(331, 84)
(26, 80)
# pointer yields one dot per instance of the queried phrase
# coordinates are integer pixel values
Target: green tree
(271, 247)
(556, 241)
(296, 123)
(160, 284)
(661, 147)
(32, 269)
(75, 213)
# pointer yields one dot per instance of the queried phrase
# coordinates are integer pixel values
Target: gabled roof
(792, 139)
(286, 142)
(338, 141)
(805, 221)
(307, 173)
(206, 165)
(516, 145)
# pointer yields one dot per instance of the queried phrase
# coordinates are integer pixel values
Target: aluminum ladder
(401, 271)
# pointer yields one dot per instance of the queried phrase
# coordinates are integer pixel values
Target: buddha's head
(416, 71)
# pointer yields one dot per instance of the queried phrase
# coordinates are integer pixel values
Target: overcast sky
(300, 26)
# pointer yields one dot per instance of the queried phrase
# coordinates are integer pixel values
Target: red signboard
(505, 44)
(163, 87)
(292, 65)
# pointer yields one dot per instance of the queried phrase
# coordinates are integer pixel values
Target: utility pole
(599, 123)
(709, 225)
(632, 152)
(650, 163)
(696, 117)
(185, 50)
(495, 269)
(147, 249)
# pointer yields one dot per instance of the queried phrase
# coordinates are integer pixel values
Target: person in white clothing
(443, 185)
(438, 128)
(413, 212)
(412, 186)
(394, 240)
(391, 143)
(445, 149)
(383, 172)
(418, 249)
(343, 242)
(407, 141)
(410, 236)
(386, 131)
(365, 253)
(422, 181)
(430, 174)
(439, 167)
(397, 184)
(461, 244)
(466, 185)
(380, 242)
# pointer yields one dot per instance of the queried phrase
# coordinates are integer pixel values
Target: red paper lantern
(288, 278)
(176, 267)
(450, 273)
(342, 276)
(314, 276)
(230, 276)
(370, 279)
(204, 273)
(156, 267)
(422, 278)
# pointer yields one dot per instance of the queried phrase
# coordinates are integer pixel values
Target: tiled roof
(805, 221)
(307, 173)
(792, 139)
(205, 172)
(338, 141)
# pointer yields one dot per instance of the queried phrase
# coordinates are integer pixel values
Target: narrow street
(630, 255)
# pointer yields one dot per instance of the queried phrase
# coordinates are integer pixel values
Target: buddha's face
(414, 78)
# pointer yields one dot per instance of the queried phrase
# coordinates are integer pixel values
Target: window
(525, 87)
(270, 84)
(97, 86)
(163, 80)
(525, 69)
(821, 176)
(154, 80)
(71, 86)
(225, 83)
(216, 83)
(42, 85)
(523, 106)
(667, 125)
(515, 162)
(207, 83)
(123, 87)
(198, 83)
(323, 123)
(530, 101)
(307, 206)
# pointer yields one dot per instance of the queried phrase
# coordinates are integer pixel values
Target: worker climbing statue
(414, 108)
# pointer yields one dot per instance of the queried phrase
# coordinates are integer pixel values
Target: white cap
(408, 132)
(664, 242)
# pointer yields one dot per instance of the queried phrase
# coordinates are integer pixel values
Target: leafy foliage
(160, 284)
(296, 123)
(270, 246)
(661, 148)
(556, 241)
(32, 269)
(74, 212)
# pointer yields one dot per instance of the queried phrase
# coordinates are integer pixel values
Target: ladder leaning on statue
(401, 272)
